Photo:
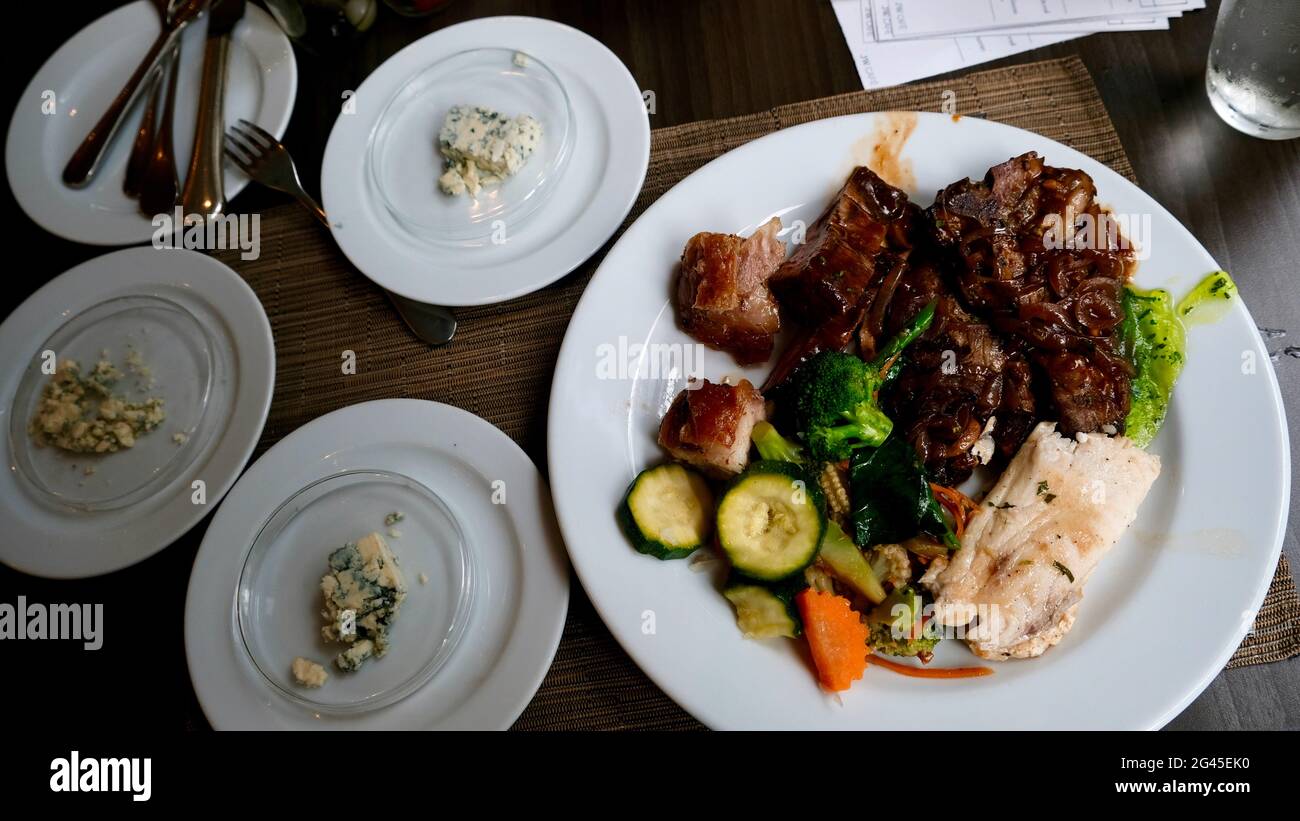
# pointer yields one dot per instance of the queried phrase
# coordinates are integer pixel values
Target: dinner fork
(262, 157)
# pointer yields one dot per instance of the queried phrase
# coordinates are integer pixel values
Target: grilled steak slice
(954, 378)
(1043, 263)
(830, 282)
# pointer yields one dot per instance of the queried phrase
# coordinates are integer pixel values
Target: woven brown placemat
(499, 366)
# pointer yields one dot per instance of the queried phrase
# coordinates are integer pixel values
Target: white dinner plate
(610, 154)
(1161, 615)
(45, 538)
(521, 586)
(84, 76)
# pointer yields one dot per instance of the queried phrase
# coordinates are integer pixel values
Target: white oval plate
(84, 76)
(67, 544)
(521, 595)
(596, 191)
(1162, 614)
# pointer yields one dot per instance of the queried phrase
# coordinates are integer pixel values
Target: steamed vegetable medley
(828, 532)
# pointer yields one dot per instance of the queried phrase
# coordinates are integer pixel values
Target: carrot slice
(930, 672)
(836, 636)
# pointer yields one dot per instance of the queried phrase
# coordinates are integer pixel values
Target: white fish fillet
(1060, 505)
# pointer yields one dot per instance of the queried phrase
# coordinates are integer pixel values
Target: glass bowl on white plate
(161, 349)
(404, 161)
(279, 602)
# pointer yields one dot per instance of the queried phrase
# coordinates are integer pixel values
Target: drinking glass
(1253, 74)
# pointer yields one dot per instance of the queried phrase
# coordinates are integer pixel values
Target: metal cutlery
(204, 191)
(143, 143)
(158, 182)
(261, 156)
(433, 324)
(81, 168)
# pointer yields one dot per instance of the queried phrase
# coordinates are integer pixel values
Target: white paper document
(906, 19)
(894, 63)
(897, 41)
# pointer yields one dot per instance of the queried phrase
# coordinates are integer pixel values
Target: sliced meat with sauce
(1042, 262)
(708, 425)
(723, 299)
(1026, 555)
(831, 281)
(955, 378)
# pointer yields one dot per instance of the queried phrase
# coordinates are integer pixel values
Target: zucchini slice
(762, 613)
(771, 520)
(667, 512)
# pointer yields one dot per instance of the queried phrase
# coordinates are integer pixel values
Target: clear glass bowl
(278, 600)
(176, 349)
(404, 161)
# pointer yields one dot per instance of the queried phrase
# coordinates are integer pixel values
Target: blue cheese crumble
(363, 593)
(482, 147)
(81, 414)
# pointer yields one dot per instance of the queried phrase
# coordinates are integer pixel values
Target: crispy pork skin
(709, 426)
(723, 298)
(1059, 506)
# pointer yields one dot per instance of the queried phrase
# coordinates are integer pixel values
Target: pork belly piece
(709, 425)
(1040, 260)
(958, 382)
(1059, 507)
(723, 298)
(830, 282)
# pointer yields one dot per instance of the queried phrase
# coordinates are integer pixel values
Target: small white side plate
(611, 151)
(84, 75)
(61, 543)
(498, 497)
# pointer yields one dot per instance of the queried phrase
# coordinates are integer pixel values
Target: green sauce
(1209, 300)
(1154, 338)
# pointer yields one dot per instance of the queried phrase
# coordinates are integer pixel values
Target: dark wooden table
(703, 59)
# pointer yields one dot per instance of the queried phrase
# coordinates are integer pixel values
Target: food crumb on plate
(308, 673)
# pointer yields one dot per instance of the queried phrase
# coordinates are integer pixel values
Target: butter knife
(204, 183)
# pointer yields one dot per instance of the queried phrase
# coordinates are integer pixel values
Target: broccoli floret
(835, 405)
(882, 640)
(896, 628)
(835, 395)
(772, 445)
(864, 425)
